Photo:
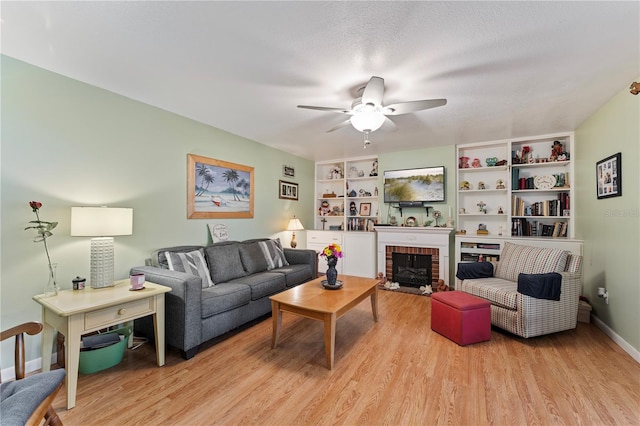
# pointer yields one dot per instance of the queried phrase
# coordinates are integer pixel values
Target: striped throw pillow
(273, 254)
(192, 263)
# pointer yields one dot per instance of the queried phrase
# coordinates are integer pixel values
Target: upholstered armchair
(28, 400)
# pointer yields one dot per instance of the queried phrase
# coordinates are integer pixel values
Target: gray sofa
(243, 276)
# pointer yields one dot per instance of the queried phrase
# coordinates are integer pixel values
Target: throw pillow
(192, 263)
(516, 259)
(273, 254)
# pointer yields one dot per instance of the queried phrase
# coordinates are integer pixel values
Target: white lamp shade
(101, 221)
(295, 225)
(368, 119)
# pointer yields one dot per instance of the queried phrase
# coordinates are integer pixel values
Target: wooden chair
(27, 401)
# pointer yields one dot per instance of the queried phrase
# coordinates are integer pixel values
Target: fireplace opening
(411, 270)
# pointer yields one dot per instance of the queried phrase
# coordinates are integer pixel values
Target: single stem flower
(43, 229)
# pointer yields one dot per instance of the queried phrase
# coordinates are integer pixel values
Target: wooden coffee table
(313, 301)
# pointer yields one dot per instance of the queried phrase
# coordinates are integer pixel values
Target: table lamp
(103, 223)
(294, 225)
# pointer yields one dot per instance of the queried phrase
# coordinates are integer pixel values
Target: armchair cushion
(540, 286)
(192, 263)
(20, 398)
(516, 259)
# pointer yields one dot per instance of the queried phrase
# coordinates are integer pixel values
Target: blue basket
(107, 357)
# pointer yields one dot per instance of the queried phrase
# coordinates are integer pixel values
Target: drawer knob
(122, 311)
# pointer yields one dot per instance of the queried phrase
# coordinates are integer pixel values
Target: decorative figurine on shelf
(557, 153)
(374, 170)
(491, 161)
(500, 211)
(353, 172)
(481, 185)
(476, 163)
(353, 211)
(481, 207)
(500, 184)
(436, 216)
(482, 229)
(353, 193)
(364, 193)
(393, 221)
(526, 153)
(324, 208)
(464, 163)
(375, 192)
(336, 211)
(324, 222)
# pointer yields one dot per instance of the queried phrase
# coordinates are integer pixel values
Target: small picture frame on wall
(365, 209)
(609, 177)
(288, 171)
(288, 190)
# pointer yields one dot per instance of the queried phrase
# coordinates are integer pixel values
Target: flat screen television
(414, 185)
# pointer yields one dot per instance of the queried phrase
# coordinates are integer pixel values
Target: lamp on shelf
(102, 223)
(294, 225)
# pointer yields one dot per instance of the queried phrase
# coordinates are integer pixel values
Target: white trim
(635, 354)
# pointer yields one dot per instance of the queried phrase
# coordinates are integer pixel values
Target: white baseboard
(30, 366)
(635, 354)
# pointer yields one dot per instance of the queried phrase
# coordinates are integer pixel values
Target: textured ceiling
(508, 69)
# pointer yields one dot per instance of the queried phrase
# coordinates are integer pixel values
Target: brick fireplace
(416, 256)
(429, 241)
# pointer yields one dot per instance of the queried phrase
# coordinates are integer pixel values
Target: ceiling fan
(368, 113)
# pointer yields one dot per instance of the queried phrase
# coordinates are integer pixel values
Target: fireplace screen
(413, 270)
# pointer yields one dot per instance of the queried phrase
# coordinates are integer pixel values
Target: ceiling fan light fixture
(367, 118)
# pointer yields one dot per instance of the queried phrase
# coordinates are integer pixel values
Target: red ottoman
(461, 317)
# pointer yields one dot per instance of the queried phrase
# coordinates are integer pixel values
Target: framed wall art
(288, 190)
(288, 171)
(365, 209)
(609, 177)
(218, 189)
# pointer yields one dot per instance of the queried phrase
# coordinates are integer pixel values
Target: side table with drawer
(77, 312)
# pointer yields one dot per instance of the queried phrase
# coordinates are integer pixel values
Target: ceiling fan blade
(339, 126)
(373, 91)
(319, 108)
(389, 124)
(412, 106)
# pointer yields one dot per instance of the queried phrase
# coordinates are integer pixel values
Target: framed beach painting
(218, 189)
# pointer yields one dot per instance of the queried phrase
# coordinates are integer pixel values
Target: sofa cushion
(516, 259)
(224, 261)
(192, 263)
(273, 253)
(262, 284)
(541, 286)
(295, 274)
(498, 291)
(224, 297)
(252, 258)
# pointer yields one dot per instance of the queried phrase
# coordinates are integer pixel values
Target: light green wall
(610, 227)
(66, 143)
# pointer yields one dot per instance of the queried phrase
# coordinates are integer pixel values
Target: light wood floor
(394, 372)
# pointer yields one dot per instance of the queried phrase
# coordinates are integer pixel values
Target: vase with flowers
(43, 231)
(332, 253)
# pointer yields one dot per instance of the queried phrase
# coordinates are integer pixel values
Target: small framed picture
(288, 171)
(365, 209)
(609, 177)
(288, 190)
